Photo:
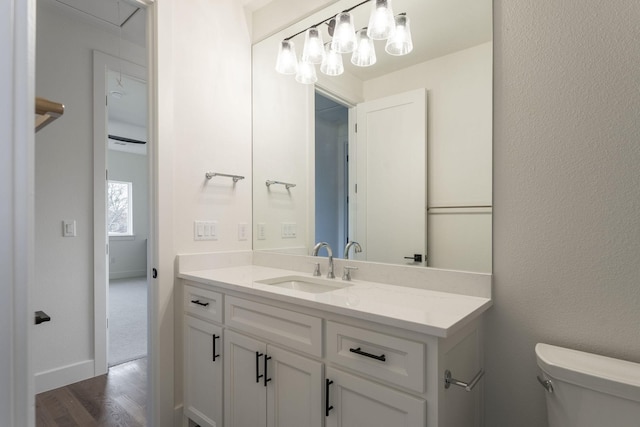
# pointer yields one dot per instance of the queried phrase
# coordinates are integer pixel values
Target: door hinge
(356, 188)
(356, 128)
(106, 174)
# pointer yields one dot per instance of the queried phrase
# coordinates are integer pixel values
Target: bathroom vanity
(267, 346)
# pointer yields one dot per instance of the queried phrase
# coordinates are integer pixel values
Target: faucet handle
(346, 272)
(316, 270)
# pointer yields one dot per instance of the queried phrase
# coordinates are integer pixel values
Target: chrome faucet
(316, 248)
(353, 243)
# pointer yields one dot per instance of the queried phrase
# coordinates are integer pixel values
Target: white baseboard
(60, 377)
(127, 274)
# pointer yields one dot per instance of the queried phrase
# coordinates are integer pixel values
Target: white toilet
(588, 390)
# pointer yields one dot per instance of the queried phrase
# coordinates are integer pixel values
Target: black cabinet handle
(266, 380)
(327, 408)
(258, 355)
(215, 337)
(382, 357)
(197, 301)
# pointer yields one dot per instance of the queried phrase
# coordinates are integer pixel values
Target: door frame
(101, 64)
(17, 177)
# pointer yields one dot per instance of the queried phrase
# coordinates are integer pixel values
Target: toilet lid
(605, 374)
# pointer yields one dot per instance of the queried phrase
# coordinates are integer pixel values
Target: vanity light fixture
(313, 50)
(365, 54)
(344, 33)
(306, 73)
(287, 62)
(332, 64)
(400, 42)
(382, 25)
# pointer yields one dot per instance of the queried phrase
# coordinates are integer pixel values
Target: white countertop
(425, 311)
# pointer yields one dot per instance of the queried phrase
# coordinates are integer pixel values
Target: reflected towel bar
(287, 185)
(235, 178)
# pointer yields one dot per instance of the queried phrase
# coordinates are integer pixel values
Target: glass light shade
(306, 73)
(381, 22)
(400, 43)
(332, 63)
(344, 34)
(313, 50)
(287, 62)
(365, 53)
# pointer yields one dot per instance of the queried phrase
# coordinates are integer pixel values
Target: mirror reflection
(413, 184)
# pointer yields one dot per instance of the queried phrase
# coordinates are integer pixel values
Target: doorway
(121, 211)
(331, 173)
(127, 201)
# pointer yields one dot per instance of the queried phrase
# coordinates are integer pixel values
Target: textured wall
(566, 192)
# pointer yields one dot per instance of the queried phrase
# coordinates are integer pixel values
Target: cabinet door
(357, 402)
(294, 392)
(203, 372)
(245, 393)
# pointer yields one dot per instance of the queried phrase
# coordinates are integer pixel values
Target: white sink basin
(306, 284)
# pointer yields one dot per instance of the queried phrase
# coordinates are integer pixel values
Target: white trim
(17, 174)
(48, 380)
(101, 63)
(161, 136)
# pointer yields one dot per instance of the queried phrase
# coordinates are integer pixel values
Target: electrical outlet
(288, 230)
(262, 233)
(242, 231)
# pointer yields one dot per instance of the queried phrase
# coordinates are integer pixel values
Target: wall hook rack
(287, 185)
(235, 178)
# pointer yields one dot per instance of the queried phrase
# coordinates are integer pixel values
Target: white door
(294, 393)
(357, 402)
(391, 177)
(203, 372)
(245, 396)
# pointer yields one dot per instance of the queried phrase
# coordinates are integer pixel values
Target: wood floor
(118, 399)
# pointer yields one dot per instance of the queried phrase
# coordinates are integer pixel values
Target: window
(119, 208)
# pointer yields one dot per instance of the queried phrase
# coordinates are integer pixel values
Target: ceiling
(122, 16)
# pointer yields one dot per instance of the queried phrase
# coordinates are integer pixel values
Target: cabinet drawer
(392, 359)
(203, 303)
(295, 330)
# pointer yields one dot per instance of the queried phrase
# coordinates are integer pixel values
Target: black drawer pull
(204, 304)
(327, 408)
(258, 355)
(266, 359)
(382, 357)
(215, 337)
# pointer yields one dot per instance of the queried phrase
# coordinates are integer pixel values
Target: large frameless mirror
(395, 156)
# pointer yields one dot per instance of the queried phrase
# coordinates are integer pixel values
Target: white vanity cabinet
(203, 365)
(269, 386)
(290, 365)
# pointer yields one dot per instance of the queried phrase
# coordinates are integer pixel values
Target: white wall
(283, 134)
(128, 255)
(63, 348)
(566, 180)
(205, 93)
(459, 138)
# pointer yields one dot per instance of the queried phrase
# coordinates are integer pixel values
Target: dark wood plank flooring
(118, 399)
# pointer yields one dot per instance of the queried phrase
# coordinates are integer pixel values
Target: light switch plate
(69, 228)
(205, 230)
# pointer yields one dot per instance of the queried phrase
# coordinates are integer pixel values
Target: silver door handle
(448, 380)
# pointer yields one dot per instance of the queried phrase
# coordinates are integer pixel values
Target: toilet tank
(589, 390)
